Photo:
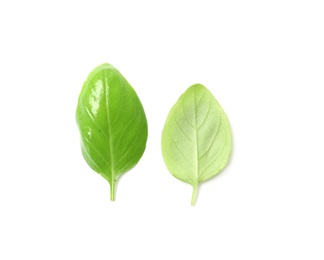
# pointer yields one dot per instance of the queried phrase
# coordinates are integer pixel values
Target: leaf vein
(129, 147)
(93, 121)
(178, 148)
(206, 115)
(121, 101)
(185, 114)
(125, 128)
(97, 151)
(175, 120)
(190, 179)
(85, 150)
(215, 158)
(214, 138)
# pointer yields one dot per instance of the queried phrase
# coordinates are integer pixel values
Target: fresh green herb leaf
(196, 139)
(112, 124)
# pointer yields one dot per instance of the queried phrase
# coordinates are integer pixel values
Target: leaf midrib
(196, 139)
(109, 129)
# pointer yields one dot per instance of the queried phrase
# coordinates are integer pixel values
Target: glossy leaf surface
(196, 139)
(112, 124)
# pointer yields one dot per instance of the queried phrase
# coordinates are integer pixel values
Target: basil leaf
(196, 139)
(112, 124)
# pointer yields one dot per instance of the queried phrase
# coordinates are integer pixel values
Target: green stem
(112, 190)
(194, 194)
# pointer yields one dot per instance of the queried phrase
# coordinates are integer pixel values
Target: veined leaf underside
(196, 140)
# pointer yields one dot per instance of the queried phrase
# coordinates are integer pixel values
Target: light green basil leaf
(112, 124)
(196, 139)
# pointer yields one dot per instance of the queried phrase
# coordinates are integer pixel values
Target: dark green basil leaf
(112, 124)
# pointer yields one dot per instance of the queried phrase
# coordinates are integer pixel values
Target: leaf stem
(112, 190)
(194, 194)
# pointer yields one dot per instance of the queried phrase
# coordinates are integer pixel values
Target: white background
(263, 61)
